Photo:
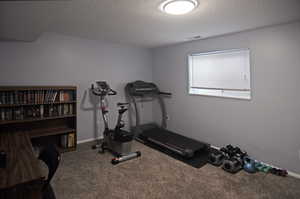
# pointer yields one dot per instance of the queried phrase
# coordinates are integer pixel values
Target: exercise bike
(117, 141)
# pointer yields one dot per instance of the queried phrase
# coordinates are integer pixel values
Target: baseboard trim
(295, 175)
(290, 173)
(88, 140)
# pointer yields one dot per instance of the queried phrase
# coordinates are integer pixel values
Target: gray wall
(62, 60)
(268, 126)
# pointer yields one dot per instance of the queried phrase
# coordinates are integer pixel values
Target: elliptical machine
(117, 141)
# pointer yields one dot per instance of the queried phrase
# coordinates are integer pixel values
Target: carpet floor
(85, 174)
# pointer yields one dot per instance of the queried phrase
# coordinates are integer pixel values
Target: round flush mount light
(178, 7)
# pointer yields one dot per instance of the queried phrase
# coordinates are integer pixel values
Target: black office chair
(51, 157)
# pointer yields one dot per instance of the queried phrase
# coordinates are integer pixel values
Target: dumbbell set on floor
(233, 159)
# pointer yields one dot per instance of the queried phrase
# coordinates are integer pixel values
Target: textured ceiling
(139, 22)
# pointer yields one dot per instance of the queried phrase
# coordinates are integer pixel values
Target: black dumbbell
(232, 165)
(216, 157)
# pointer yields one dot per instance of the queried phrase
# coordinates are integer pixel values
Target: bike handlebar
(102, 91)
(165, 93)
(122, 104)
(112, 92)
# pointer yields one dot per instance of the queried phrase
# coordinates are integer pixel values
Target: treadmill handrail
(165, 93)
(135, 89)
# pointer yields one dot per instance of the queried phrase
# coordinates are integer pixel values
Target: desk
(22, 177)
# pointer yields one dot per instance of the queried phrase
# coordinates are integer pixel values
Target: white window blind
(220, 73)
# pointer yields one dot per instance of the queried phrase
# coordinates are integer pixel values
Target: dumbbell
(216, 157)
(232, 165)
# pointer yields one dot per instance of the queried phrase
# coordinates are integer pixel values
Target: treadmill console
(141, 88)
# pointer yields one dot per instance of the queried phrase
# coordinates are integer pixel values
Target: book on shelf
(35, 96)
(66, 96)
(64, 141)
(2, 115)
(36, 111)
(18, 114)
(67, 141)
(51, 96)
(42, 111)
(71, 140)
(59, 110)
(11, 114)
(32, 112)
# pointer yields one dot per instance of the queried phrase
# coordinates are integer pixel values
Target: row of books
(36, 96)
(67, 141)
(36, 112)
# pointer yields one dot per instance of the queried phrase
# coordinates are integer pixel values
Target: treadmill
(157, 135)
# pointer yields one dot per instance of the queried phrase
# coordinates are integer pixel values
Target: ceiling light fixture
(178, 7)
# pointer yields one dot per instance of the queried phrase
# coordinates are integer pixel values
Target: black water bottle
(2, 159)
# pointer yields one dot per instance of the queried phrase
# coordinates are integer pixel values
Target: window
(220, 73)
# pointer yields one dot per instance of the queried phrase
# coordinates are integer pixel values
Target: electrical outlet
(168, 118)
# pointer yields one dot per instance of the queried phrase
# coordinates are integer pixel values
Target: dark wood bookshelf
(50, 131)
(47, 113)
(64, 150)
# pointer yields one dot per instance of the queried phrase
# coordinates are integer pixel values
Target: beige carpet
(85, 174)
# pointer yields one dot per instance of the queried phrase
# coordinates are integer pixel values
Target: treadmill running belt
(173, 139)
(180, 142)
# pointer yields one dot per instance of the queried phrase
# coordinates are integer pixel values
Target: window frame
(189, 55)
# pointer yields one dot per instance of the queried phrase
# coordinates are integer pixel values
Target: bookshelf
(47, 113)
